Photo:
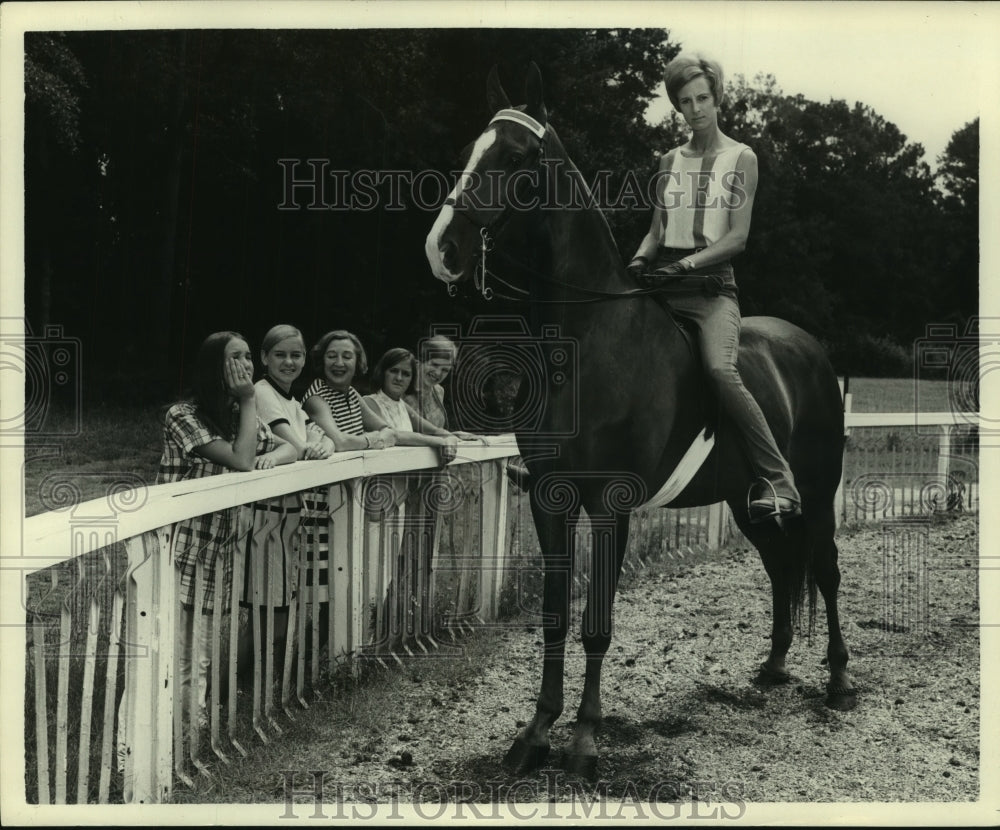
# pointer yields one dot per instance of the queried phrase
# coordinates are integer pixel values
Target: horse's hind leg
(841, 693)
(774, 547)
(610, 536)
(773, 670)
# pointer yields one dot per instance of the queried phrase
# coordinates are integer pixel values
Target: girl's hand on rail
(315, 450)
(468, 436)
(264, 462)
(448, 449)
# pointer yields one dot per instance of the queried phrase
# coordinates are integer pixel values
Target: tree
(958, 232)
(842, 240)
(168, 217)
(154, 159)
(53, 83)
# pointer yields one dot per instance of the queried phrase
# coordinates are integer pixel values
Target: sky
(917, 65)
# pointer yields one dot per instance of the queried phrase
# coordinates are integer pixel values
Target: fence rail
(413, 557)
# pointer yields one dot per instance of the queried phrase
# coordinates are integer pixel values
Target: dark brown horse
(611, 432)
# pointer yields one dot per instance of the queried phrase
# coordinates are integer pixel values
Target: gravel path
(680, 711)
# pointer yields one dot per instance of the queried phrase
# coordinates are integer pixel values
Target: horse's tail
(816, 455)
(800, 569)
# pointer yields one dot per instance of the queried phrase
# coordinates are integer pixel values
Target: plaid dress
(212, 537)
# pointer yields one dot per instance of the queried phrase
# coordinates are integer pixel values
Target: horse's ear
(495, 96)
(533, 94)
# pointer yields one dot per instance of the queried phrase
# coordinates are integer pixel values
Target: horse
(612, 429)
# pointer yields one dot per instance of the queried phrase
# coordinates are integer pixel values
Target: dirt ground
(682, 716)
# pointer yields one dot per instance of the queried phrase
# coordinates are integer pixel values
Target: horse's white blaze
(432, 247)
(483, 143)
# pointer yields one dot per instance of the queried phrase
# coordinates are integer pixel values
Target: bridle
(489, 231)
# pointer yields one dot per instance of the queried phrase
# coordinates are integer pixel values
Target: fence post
(715, 525)
(840, 499)
(339, 589)
(493, 542)
(944, 454)
(149, 656)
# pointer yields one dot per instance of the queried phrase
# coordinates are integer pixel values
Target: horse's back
(786, 367)
(789, 374)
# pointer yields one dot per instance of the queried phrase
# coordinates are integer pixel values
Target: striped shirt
(698, 194)
(346, 410)
(344, 406)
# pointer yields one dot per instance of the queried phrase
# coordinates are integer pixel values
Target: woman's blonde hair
(690, 65)
(319, 350)
(437, 346)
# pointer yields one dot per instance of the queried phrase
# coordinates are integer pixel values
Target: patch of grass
(900, 395)
(116, 445)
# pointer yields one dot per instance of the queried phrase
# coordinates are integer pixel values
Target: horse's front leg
(531, 746)
(610, 536)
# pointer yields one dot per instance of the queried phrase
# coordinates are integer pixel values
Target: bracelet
(368, 441)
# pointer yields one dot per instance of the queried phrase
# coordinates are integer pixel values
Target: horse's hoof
(766, 676)
(523, 757)
(583, 765)
(840, 698)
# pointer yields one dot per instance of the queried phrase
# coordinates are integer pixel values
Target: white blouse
(396, 413)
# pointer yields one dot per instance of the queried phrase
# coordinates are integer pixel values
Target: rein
(594, 295)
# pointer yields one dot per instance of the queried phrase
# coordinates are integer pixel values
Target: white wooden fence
(907, 463)
(408, 570)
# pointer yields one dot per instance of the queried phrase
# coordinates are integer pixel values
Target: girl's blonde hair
(280, 332)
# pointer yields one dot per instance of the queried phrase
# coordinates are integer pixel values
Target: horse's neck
(576, 248)
(582, 249)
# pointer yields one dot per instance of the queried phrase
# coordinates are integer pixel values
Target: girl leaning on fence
(337, 408)
(216, 430)
(270, 551)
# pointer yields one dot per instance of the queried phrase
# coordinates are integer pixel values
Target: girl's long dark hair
(208, 392)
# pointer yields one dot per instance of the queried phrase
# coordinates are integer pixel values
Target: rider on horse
(700, 221)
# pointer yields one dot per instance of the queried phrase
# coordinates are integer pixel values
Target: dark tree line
(154, 178)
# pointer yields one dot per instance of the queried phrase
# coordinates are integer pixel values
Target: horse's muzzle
(443, 250)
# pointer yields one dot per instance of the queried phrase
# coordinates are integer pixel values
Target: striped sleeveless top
(698, 194)
(345, 406)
